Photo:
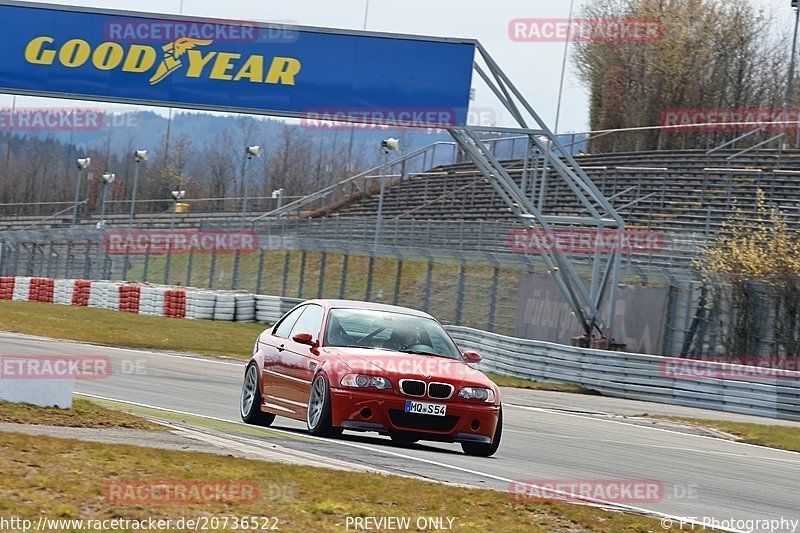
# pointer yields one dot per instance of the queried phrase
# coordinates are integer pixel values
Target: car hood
(398, 365)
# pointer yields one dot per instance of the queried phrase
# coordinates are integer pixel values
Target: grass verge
(519, 383)
(48, 477)
(84, 414)
(112, 328)
(780, 437)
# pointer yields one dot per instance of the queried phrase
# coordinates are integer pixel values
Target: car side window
(285, 327)
(310, 322)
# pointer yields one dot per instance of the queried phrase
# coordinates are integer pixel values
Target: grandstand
(673, 191)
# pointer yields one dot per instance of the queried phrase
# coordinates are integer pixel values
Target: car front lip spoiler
(356, 425)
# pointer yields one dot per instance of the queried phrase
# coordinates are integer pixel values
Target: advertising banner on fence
(230, 65)
(543, 314)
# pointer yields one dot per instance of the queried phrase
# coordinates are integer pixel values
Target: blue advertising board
(235, 66)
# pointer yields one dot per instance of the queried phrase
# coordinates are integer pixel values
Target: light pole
(250, 152)
(108, 179)
(277, 194)
(83, 164)
(388, 146)
(138, 156)
(177, 196)
(790, 79)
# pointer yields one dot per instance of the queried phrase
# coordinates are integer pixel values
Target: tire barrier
(22, 289)
(225, 310)
(175, 304)
(245, 308)
(270, 308)
(41, 290)
(200, 305)
(80, 294)
(7, 288)
(63, 291)
(104, 295)
(129, 296)
(151, 301)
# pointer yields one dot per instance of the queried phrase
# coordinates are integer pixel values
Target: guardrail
(649, 378)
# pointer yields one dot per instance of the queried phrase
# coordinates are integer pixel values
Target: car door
(302, 359)
(274, 376)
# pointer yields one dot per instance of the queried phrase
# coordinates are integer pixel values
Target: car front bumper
(384, 412)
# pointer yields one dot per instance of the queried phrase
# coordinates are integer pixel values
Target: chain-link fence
(462, 286)
(471, 289)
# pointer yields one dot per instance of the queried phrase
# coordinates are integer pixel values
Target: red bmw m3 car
(338, 364)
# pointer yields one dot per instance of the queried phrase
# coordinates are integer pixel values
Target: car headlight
(255, 346)
(363, 381)
(477, 393)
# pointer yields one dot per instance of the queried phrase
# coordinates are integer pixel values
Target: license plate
(425, 408)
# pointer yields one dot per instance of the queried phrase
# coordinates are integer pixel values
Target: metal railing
(637, 376)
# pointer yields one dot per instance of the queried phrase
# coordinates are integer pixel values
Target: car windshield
(361, 328)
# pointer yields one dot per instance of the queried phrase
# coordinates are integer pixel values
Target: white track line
(796, 455)
(588, 501)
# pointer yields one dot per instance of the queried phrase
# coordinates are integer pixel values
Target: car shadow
(362, 438)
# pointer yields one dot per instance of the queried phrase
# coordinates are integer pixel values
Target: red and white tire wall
(148, 300)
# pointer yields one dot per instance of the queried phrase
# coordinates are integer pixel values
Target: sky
(534, 67)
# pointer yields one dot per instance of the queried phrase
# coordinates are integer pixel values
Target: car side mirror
(305, 338)
(472, 357)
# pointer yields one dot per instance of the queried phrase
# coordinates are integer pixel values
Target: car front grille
(441, 391)
(405, 420)
(412, 387)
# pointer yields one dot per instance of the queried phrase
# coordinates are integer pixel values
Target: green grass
(84, 414)
(780, 437)
(519, 383)
(60, 478)
(113, 328)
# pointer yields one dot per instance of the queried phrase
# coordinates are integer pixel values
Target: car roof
(354, 304)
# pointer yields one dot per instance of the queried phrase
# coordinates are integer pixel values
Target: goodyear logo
(192, 55)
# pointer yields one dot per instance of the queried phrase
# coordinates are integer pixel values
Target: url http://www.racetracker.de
(202, 523)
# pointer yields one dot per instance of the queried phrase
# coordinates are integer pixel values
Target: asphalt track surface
(701, 476)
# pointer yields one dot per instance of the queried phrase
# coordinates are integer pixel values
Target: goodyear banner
(233, 66)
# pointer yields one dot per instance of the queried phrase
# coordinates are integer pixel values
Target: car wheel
(485, 450)
(250, 402)
(318, 414)
(402, 437)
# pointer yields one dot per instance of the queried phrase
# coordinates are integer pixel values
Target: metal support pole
(77, 198)
(379, 220)
(260, 273)
(237, 260)
(302, 280)
(370, 277)
(244, 192)
(131, 222)
(790, 78)
(285, 280)
(103, 204)
(322, 264)
(189, 267)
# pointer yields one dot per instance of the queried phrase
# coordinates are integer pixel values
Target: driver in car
(402, 339)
